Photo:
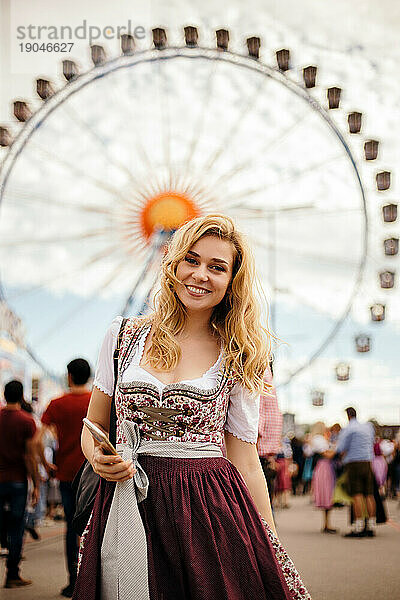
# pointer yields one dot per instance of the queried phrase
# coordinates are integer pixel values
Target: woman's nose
(200, 274)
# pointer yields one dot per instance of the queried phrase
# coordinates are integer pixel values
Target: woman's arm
(112, 468)
(99, 413)
(32, 468)
(244, 457)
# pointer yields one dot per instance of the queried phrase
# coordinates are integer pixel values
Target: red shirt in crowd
(66, 413)
(16, 428)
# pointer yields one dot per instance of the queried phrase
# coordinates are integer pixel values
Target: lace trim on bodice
(135, 358)
(169, 389)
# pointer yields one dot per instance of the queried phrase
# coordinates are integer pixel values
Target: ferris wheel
(115, 160)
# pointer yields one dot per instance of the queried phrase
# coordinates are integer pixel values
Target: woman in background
(283, 482)
(379, 467)
(308, 464)
(323, 480)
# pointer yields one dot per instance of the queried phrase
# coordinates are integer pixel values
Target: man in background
(17, 463)
(356, 441)
(64, 415)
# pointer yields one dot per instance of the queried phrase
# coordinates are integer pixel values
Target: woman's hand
(110, 467)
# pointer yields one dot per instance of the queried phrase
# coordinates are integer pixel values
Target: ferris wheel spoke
(294, 250)
(284, 136)
(146, 302)
(93, 234)
(200, 121)
(150, 263)
(317, 257)
(164, 117)
(65, 275)
(133, 245)
(73, 115)
(27, 197)
(308, 170)
(131, 298)
(117, 96)
(293, 177)
(194, 190)
(249, 213)
(80, 306)
(81, 173)
(342, 212)
(139, 196)
(302, 211)
(252, 162)
(305, 302)
(234, 128)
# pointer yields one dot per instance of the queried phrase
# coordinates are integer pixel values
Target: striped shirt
(270, 422)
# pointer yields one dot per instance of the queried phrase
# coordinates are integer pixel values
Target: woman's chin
(196, 304)
(193, 305)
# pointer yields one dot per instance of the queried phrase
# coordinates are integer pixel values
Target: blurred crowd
(337, 467)
(39, 455)
(291, 468)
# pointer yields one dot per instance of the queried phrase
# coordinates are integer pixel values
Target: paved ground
(333, 568)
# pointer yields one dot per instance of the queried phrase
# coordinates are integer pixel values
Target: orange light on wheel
(167, 211)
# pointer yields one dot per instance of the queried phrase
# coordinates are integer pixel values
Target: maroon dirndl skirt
(205, 538)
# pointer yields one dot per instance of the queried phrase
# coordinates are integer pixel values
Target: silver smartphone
(100, 437)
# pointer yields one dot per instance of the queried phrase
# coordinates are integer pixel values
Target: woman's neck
(197, 324)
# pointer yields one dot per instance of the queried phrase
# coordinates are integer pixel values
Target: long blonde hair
(235, 320)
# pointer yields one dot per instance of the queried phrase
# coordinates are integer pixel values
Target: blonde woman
(174, 519)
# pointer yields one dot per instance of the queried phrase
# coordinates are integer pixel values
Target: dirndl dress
(323, 484)
(379, 465)
(203, 533)
(283, 481)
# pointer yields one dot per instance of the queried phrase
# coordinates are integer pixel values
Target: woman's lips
(196, 291)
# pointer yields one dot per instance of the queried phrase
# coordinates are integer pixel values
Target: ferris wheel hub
(167, 210)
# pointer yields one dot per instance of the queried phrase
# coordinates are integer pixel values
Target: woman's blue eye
(218, 268)
(191, 261)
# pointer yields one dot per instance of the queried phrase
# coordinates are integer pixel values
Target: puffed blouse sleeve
(104, 375)
(243, 414)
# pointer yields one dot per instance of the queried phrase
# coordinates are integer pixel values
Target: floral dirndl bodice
(179, 411)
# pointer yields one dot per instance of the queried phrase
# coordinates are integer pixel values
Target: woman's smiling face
(205, 273)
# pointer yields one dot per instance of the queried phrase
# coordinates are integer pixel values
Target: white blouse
(243, 409)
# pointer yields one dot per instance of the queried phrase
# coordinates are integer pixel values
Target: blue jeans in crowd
(33, 516)
(14, 493)
(71, 539)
